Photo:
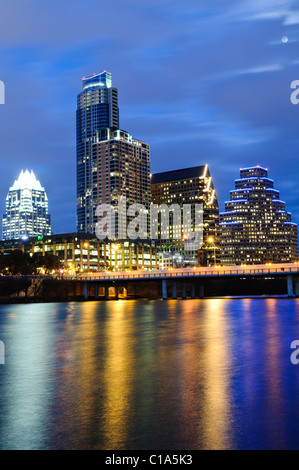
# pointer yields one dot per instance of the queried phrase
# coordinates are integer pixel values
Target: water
(195, 374)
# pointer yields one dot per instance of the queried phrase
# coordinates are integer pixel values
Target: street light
(184, 239)
(211, 240)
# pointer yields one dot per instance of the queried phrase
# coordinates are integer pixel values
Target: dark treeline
(19, 263)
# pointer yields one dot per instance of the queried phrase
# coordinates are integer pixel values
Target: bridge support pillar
(85, 291)
(201, 291)
(106, 292)
(297, 287)
(174, 293)
(193, 295)
(164, 289)
(116, 292)
(125, 292)
(96, 292)
(290, 286)
(184, 295)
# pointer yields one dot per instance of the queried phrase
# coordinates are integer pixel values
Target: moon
(285, 39)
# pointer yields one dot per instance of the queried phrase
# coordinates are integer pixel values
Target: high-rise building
(183, 187)
(255, 227)
(110, 162)
(26, 209)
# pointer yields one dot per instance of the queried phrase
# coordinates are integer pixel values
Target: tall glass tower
(26, 209)
(110, 162)
(255, 227)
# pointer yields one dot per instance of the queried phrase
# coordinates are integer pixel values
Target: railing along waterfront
(193, 272)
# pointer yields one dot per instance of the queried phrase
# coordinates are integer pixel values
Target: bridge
(282, 279)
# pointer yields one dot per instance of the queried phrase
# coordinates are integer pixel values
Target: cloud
(266, 10)
(268, 15)
(292, 18)
(258, 69)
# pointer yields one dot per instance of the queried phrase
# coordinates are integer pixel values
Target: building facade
(26, 209)
(110, 162)
(183, 187)
(255, 227)
(79, 252)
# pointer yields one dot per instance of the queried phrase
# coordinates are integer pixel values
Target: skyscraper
(110, 162)
(26, 209)
(255, 227)
(189, 186)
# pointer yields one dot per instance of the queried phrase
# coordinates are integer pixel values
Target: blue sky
(202, 82)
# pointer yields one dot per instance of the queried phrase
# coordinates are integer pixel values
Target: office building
(110, 162)
(26, 209)
(189, 186)
(80, 252)
(255, 227)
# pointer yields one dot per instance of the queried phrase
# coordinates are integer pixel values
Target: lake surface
(175, 375)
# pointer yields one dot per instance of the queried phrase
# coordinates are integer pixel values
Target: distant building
(189, 186)
(165, 261)
(255, 227)
(26, 209)
(110, 162)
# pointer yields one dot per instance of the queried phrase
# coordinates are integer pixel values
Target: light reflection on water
(195, 374)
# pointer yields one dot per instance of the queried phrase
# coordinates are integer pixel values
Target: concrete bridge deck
(265, 270)
(193, 278)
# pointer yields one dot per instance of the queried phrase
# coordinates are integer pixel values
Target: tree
(52, 263)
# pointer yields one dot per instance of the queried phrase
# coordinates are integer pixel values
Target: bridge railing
(191, 273)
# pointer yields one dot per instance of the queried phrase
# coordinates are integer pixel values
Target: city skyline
(149, 201)
(104, 119)
(189, 90)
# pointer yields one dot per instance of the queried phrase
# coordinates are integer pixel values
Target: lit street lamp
(184, 239)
